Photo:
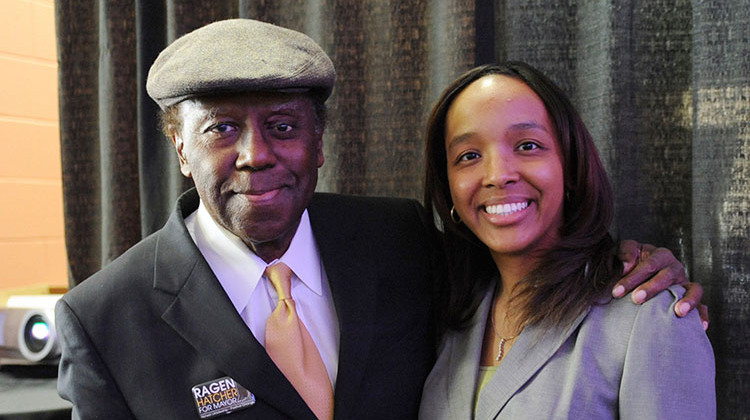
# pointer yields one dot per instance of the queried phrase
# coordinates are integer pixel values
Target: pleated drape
(720, 190)
(662, 85)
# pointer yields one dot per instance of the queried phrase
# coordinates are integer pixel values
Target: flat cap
(238, 55)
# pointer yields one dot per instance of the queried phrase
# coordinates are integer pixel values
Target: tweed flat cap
(238, 55)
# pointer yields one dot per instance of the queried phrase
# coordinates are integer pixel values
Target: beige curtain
(662, 85)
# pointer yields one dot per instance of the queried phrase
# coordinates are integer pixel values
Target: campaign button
(221, 396)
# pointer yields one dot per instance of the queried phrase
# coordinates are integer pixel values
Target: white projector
(27, 331)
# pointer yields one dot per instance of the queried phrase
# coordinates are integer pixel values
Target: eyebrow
(292, 106)
(220, 106)
(459, 139)
(526, 125)
(285, 108)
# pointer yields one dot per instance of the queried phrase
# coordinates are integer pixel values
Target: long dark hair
(579, 267)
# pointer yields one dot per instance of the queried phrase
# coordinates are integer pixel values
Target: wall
(32, 249)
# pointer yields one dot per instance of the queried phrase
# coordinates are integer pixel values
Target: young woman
(531, 328)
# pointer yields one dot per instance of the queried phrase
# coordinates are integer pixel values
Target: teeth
(506, 209)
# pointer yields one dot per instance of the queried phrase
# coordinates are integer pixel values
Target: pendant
(500, 349)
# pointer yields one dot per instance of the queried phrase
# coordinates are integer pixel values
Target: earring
(454, 216)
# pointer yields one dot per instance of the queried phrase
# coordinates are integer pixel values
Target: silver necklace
(503, 340)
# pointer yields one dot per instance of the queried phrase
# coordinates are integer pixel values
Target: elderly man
(259, 298)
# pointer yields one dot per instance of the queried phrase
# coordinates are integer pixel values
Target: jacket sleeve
(669, 366)
(83, 378)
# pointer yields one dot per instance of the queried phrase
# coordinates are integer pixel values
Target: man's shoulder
(354, 198)
(133, 270)
(123, 276)
(361, 203)
(402, 223)
(363, 213)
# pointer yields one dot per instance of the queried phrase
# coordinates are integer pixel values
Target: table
(30, 392)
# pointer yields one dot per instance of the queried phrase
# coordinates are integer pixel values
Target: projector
(27, 332)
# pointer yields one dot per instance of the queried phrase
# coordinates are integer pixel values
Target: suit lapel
(204, 316)
(354, 289)
(531, 351)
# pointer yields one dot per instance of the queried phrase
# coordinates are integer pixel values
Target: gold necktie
(292, 349)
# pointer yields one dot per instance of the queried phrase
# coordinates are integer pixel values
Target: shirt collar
(239, 270)
(303, 258)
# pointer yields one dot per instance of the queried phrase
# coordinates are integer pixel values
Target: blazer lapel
(531, 351)
(464, 352)
(353, 288)
(205, 317)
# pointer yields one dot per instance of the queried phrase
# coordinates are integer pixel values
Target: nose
(500, 169)
(255, 151)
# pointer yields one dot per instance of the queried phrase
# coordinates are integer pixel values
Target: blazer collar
(464, 350)
(204, 316)
(351, 270)
(531, 351)
(533, 348)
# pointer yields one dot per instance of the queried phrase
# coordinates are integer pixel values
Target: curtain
(662, 85)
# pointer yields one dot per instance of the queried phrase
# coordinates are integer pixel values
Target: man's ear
(321, 158)
(179, 147)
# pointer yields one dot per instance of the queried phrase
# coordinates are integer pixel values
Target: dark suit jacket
(139, 334)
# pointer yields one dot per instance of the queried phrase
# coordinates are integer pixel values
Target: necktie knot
(280, 276)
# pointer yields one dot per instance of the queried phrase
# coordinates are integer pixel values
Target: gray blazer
(617, 360)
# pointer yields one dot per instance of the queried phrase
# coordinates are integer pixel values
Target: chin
(518, 246)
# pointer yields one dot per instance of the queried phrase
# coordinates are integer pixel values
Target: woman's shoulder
(663, 359)
(662, 302)
(655, 315)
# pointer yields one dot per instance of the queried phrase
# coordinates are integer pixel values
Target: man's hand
(642, 262)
